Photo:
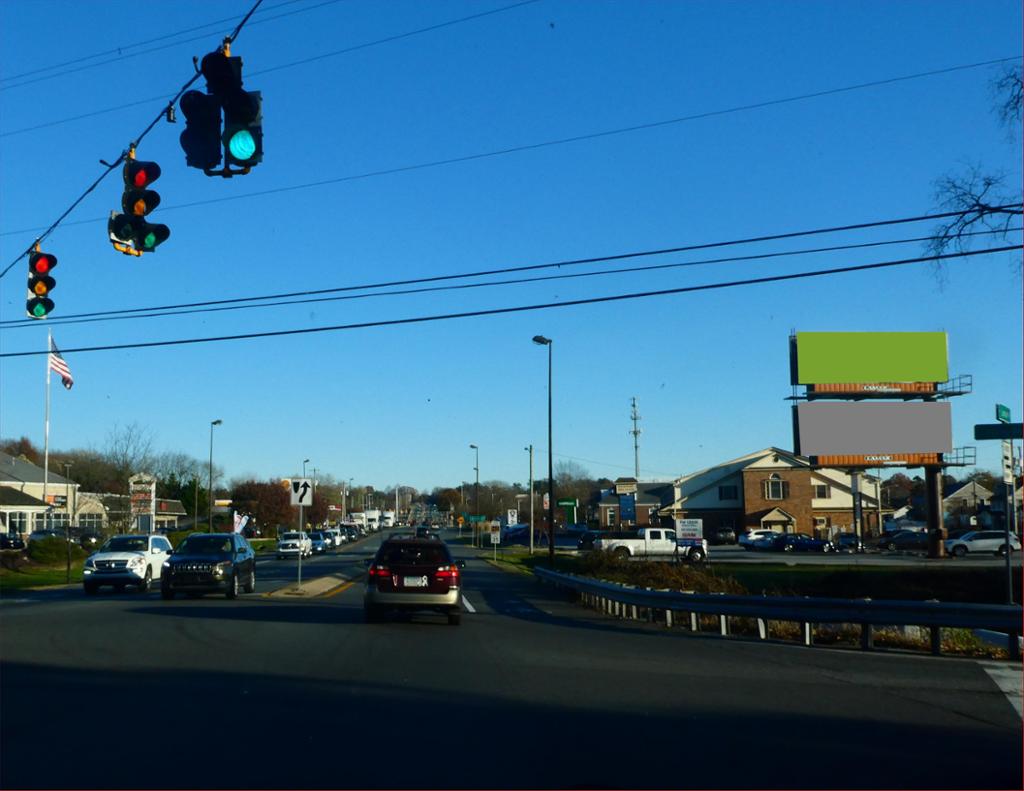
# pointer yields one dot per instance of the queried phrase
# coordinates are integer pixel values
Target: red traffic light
(41, 263)
(140, 174)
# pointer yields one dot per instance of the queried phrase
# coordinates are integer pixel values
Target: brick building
(774, 489)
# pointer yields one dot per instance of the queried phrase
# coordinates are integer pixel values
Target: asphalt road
(531, 691)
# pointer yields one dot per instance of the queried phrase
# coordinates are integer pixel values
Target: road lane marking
(343, 587)
(1008, 679)
(467, 604)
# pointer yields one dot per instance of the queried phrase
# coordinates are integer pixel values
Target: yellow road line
(343, 587)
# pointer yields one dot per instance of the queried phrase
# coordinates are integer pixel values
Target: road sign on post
(301, 491)
(1008, 464)
(1002, 413)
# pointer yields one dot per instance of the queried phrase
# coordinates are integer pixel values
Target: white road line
(467, 604)
(1008, 679)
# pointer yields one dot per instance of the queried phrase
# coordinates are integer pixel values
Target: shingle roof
(16, 470)
(12, 497)
(649, 493)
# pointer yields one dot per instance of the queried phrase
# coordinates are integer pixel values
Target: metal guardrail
(867, 613)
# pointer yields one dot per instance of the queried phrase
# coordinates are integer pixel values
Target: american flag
(58, 365)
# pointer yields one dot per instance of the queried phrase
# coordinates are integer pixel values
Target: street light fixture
(476, 490)
(213, 423)
(540, 340)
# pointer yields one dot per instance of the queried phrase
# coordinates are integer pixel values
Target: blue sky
(401, 404)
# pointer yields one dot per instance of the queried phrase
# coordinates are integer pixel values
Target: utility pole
(636, 432)
(531, 497)
(67, 525)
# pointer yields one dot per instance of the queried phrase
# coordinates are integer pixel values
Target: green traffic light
(150, 240)
(242, 145)
(39, 311)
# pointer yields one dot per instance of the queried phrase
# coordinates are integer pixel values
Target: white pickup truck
(654, 542)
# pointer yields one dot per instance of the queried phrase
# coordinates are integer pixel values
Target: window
(611, 516)
(822, 491)
(728, 492)
(17, 522)
(91, 521)
(58, 521)
(820, 521)
(655, 535)
(776, 489)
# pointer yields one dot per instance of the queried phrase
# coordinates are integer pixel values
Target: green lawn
(36, 576)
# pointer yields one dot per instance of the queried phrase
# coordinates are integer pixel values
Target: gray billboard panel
(827, 429)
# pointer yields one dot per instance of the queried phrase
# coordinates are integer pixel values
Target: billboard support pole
(1010, 523)
(858, 512)
(933, 506)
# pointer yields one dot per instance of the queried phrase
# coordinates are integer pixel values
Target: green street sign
(1002, 413)
(567, 503)
(477, 518)
(998, 431)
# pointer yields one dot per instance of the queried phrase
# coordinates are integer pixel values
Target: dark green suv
(210, 563)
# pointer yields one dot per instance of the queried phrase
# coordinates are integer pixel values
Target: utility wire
(568, 262)
(523, 308)
(120, 55)
(353, 48)
(141, 313)
(121, 157)
(531, 146)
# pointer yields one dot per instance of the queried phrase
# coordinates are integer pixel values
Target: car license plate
(414, 582)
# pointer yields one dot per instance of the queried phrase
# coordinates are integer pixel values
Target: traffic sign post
(495, 537)
(302, 495)
(1007, 432)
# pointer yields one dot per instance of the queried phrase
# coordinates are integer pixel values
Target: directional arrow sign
(302, 491)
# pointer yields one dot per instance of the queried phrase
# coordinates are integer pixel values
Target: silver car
(982, 541)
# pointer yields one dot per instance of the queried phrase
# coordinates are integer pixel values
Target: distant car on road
(798, 542)
(847, 542)
(293, 545)
(905, 539)
(41, 535)
(413, 574)
(11, 541)
(748, 539)
(318, 543)
(721, 535)
(980, 541)
(90, 539)
(126, 560)
(585, 543)
(210, 563)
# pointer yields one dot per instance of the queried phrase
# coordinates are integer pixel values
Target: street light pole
(530, 449)
(476, 492)
(213, 423)
(542, 341)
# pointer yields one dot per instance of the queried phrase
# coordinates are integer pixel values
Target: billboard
(857, 357)
(873, 429)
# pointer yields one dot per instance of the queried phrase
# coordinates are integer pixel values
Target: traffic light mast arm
(126, 249)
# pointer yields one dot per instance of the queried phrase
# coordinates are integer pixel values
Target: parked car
(210, 563)
(413, 574)
(337, 537)
(798, 542)
(721, 535)
(318, 543)
(126, 560)
(982, 541)
(294, 544)
(40, 535)
(90, 539)
(747, 539)
(905, 539)
(847, 542)
(11, 541)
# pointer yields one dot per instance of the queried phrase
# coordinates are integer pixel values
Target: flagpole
(46, 431)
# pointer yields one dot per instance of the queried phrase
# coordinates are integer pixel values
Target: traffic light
(243, 110)
(40, 284)
(201, 138)
(129, 232)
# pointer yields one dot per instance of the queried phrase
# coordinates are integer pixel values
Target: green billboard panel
(867, 357)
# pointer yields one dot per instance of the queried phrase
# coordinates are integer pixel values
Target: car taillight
(449, 573)
(378, 571)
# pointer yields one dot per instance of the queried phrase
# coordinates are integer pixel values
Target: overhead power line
(216, 306)
(523, 308)
(521, 148)
(120, 54)
(124, 153)
(346, 50)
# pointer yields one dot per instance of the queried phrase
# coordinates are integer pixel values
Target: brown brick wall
(797, 502)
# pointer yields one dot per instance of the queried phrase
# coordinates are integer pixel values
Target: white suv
(293, 544)
(126, 560)
(747, 539)
(982, 541)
